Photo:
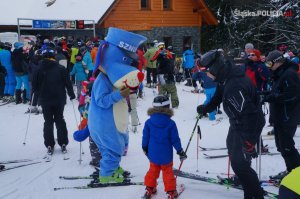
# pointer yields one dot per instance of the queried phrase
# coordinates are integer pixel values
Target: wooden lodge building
(176, 22)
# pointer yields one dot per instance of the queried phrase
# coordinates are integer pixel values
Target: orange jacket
(94, 54)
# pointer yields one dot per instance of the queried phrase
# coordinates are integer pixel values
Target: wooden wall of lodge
(127, 14)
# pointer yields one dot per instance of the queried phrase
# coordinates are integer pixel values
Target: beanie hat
(161, 101)
(18, 45)
(249, 46)
(275, 56)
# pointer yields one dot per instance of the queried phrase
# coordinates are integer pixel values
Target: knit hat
(161, 101)
(275, 56)
(249, 46)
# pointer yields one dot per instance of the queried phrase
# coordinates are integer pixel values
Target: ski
(99, 185)
(212, 148)
(217, 181)
(15, 161)
(18, 166)
(226, 155)
(91, 177)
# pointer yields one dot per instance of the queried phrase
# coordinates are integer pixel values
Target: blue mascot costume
(108, 112)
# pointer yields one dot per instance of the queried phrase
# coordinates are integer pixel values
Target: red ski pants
(168, 176)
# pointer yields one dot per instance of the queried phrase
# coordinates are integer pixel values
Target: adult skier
(241, 104)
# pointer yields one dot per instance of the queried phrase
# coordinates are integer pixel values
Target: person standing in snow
(284, 100)
(241, 104)
(50, 83)
(160, 135)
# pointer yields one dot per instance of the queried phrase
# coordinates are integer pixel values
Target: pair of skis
(226, 155)
(218, 181)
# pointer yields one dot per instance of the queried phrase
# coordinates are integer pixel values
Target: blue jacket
(78, 70)
(188, 59)
(5, 60)
(87, 59)
(160, 135)
(207, 81)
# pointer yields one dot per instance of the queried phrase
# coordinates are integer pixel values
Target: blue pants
(23, 80)
(10, 83)
(209, 93)
(110, 160)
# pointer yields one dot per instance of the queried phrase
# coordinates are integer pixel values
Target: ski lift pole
(198, 140)
(198, 117)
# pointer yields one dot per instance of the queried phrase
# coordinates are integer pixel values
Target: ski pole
(198, 117)
(28, 119)
(198, 140)
(259, 167)
(80, 160)
(228, 169)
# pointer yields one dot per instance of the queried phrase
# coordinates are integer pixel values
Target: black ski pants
(54, 114)
(242, 167)
(2, 84)
(154, 75)
(285, 144)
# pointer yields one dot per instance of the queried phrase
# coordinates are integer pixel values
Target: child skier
(160, 135)
(79, 73)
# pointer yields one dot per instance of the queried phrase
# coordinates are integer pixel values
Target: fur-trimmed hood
(166, 111)
(160, 117)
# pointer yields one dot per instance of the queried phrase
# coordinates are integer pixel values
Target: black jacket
(285, 95)
(240, 102)
(19, 63)
(50, 83)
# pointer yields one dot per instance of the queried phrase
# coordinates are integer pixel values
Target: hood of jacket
(160, 116)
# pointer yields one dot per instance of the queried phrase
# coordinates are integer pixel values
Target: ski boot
(123, 172)
(50, 150)
(271, 132)
(63, 148)
(264, 149)
(279, 176)
(172, 194)
(2, 167)
(115, 178)
(149, 192)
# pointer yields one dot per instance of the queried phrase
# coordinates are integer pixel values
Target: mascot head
(115, 56)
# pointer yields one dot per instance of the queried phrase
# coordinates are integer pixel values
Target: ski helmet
(161, 101)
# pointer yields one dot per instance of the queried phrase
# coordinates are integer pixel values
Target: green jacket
(74, 52)
(148, 55)
(292, 180)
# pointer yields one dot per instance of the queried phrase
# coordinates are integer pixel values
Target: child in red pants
(160, 135)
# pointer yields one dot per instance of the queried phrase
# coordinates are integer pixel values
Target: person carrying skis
(241, 104)
(284, 99)
(50, 83)
(160, 135)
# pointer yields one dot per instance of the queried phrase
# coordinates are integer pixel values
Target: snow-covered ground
(37, 181)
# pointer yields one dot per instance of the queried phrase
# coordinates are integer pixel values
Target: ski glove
(145, 149)
(249, 150)
(81, 135)
(201, 109)
(125, 92)
(182, 155)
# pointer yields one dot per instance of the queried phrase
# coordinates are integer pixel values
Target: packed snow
(37, 181)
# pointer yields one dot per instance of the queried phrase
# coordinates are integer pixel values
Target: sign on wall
(53, 24)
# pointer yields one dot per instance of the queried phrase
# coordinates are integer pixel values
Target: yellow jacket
(292, 180)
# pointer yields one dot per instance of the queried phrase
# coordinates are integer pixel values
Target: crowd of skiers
(42, 76)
